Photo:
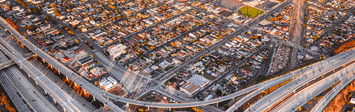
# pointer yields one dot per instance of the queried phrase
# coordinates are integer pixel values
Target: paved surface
(296, 29)
(182, 97)
(16, 100)
(334, 92)
(328, 63)
(307, 94)
(8, 63)
(96, 92)
(58, 94)
(69, 73)
(305, 78)
(28, 92)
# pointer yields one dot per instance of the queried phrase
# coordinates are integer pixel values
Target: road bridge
(8, 63)
(58, 94)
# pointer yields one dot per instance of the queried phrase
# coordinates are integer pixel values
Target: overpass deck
(8, 63)
(58, 94)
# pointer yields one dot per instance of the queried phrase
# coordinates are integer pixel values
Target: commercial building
(199, 80)
(108, 83)
(189, 88)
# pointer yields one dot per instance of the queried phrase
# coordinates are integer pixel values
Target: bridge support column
(148, 108)
(169, 108)
(217, 104)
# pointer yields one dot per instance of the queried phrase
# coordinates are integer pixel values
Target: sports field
(250, 11)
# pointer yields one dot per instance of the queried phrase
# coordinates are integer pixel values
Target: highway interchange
(300, 77)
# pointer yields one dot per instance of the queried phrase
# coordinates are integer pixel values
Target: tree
(30, 27)
(48, 18)
(219, 92)
(35, 10)
(71, 32)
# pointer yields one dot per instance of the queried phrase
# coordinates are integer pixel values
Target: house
(164, 64)
(264, 22)
(154, 67)
(189, 88)
(79, 52)
(65, 59)
(116, 50)
(148, 70)
(89, 65)
(176, 61)
(208, 97)
(97, 71)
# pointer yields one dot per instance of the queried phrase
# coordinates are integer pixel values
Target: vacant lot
(249, 11)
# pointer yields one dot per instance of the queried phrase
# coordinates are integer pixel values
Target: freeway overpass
(275, 99)
(58, 94)
(11, 62)
(331, 94)
(325, 64)
(313, 90)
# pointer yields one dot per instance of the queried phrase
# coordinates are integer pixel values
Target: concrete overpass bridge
(12, 62)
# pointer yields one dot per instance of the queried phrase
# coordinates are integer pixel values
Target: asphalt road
(313, 90)
(67, 102)
(296, 30)
(281, 92)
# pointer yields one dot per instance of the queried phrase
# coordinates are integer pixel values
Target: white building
(108, 83)
(199, 80)
(116, 50)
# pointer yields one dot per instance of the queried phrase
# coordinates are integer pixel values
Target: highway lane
(275, 96)
(296, 29)
(59, 95)
(37, 102)
(73, 74)
(11, 62)
(321, 104)
(246, 98)
(23, 86)
(73, 94)
(184, 98)
(68, 72)
(49, 74)
(13, 96)
(308, 93)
